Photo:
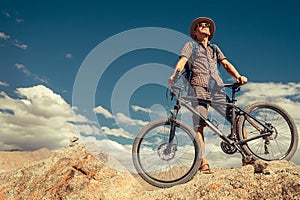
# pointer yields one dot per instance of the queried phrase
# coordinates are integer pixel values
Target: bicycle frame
(236, 112)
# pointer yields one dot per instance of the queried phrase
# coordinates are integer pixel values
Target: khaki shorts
(218, 94)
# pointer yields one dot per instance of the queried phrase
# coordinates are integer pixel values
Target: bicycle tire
(283, 142)
(166, 169)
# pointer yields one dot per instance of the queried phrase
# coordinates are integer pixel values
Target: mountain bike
(166, 152)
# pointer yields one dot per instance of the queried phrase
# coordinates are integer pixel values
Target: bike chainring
(226, 148)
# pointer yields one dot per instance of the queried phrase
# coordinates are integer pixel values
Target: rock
(260, 166)
(74, 173)
(239, 183)
(69, 174)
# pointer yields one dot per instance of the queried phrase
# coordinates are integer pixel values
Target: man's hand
(242, 80)
(171, 81)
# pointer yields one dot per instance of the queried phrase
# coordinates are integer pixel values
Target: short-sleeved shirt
(204, 63)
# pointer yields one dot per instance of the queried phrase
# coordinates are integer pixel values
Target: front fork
(172, 121)
(172, 130)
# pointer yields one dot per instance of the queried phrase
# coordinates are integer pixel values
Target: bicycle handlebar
(231, 84)
(234, 86)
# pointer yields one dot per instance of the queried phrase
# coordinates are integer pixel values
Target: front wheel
(165, 161)
(280, 144)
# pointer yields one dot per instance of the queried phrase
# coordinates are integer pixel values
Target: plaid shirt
(204, 65)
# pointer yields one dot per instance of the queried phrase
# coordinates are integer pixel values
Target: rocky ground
(75, 174)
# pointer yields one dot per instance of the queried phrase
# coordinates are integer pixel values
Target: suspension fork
(172, 121)
(171, 135)
(172, 130)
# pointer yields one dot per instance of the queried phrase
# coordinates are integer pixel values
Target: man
(203, 60)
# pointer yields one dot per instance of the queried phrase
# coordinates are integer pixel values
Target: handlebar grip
(232, 85)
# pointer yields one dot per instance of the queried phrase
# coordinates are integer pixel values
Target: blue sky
(259, 38)
(44, 44)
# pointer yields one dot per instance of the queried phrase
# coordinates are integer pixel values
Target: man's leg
(199, 123)
(199, 132)
(204, 165)
(220, 96)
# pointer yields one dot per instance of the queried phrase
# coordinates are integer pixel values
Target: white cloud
(44, 102)
(88, 129)
(4, 84)
(19, 20)
(4, 36)
(81, 119)
(156, 111)
(115, 150)
(24, 69)
(118, 132)
(38, 118)
(21, 46)
(284, 95)
(104, 112)
(6, 14)
(127, 126)
(138, 108)
(16, 43)
(121, 118)
(68, 56)
(269, 91)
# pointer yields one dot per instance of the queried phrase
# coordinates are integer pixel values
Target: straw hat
(212, 27)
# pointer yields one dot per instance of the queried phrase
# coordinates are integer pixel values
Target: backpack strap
(216, 51)
(188, 66)
(194, 50)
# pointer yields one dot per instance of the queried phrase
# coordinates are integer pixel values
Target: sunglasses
(202, 24)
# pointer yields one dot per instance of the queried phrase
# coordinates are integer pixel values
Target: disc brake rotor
(165, 152)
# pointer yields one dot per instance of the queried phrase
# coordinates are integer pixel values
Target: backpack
(187, 73)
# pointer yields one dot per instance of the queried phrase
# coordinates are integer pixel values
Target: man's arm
(179, 67)
(233, 72)
(180, 64)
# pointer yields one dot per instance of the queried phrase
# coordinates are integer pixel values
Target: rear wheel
(280, 144)
(163, 163)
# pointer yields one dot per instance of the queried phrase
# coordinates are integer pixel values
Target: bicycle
(166, 152)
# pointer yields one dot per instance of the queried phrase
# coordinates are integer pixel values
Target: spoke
(159, 164)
